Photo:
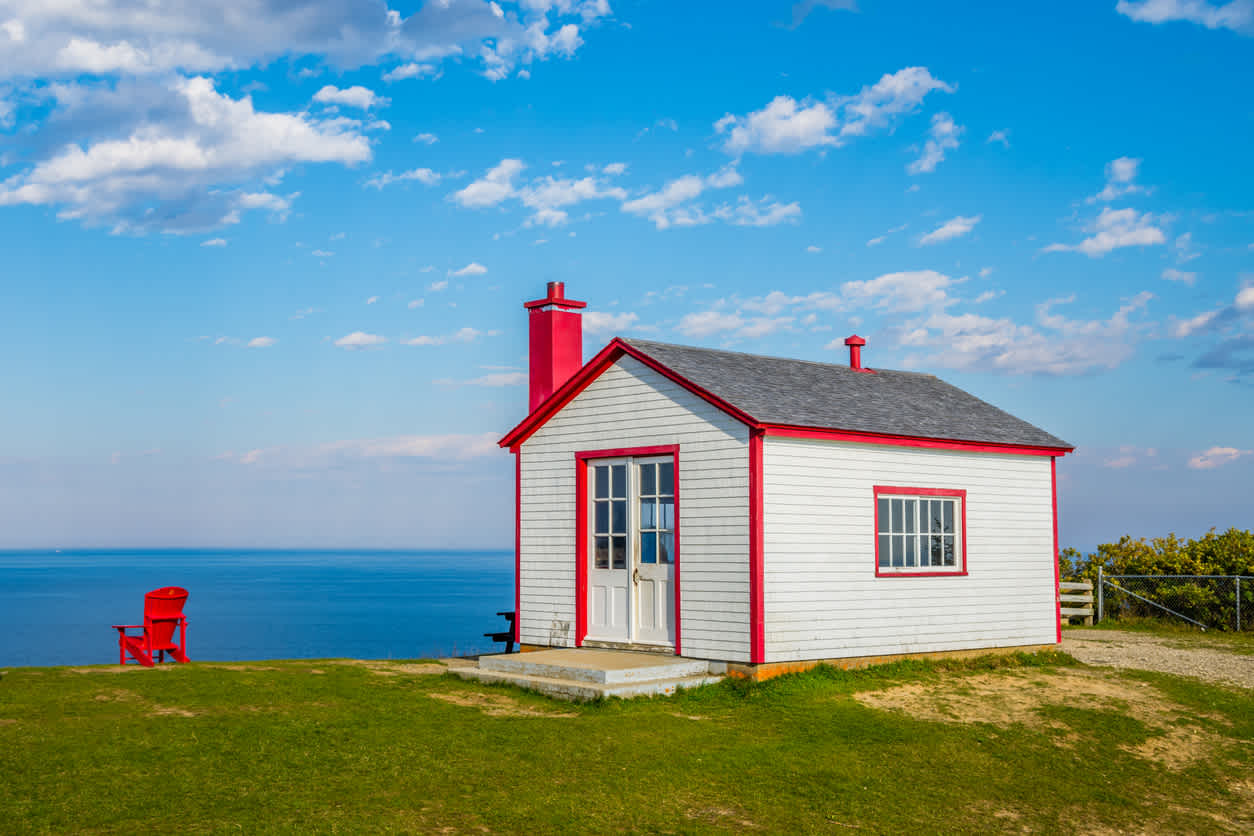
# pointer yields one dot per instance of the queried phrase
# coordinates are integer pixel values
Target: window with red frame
(919, 534)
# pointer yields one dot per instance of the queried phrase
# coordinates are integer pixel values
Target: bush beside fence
(1208, 580)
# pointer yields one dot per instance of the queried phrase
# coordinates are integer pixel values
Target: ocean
(56, 607)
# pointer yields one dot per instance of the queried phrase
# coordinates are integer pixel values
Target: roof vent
(855, 344)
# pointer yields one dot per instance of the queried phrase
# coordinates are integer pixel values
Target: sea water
(56, 607)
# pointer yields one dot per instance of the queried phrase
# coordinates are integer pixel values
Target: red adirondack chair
(163, 611)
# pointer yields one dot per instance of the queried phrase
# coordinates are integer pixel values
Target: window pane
(666, 548)
(619, 480)
(603, 553)
(648, 547)
(882, 513)
(619, 552)
(667, 518)
(666, 478)
(648, 513)
(619, 516)
(885, 548)
(648, 479)
(602, 518)
(910, 543)
(897, 514)
(936, 551)
(603, 482)
(924, 544)
(949, 550)
(949, 517)
(899, 550)
(911, 513)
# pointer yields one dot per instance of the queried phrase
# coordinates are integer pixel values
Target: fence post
(1101, 596)
(1238, 603)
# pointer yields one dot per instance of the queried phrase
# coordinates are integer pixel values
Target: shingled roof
(800, 393)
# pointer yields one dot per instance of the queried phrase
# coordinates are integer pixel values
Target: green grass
(348, 750)
(1178, 633)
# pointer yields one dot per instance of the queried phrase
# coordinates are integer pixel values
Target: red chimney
(556, 342)
(855, 344)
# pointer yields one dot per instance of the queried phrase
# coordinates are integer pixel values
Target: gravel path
(1150, 653)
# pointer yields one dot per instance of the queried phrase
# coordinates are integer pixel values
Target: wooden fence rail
(1076, 592)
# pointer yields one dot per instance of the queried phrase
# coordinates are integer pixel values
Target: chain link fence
(1218, 602)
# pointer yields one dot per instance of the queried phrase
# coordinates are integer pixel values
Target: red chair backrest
(164, 606)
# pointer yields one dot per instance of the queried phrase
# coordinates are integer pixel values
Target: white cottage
(768, 512)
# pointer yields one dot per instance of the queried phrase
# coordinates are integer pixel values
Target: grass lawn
(1013, 744)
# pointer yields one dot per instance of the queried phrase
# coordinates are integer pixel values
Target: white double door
(631, 550)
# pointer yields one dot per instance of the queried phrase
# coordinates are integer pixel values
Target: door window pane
(648, 513)
(619, 516)
(666, 478)
(619, 480)
(602, 518)
(648, 547)
(602, 482)
(648, 479)
(618, 552)
(667, 516)
(666, 548)
(603, 553)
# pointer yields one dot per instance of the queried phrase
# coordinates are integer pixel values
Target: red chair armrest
(127, 626)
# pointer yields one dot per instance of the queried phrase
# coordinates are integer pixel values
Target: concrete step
(603, 667)
(583, 689)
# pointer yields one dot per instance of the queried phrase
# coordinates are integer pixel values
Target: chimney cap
(854, 340)
(556, 297)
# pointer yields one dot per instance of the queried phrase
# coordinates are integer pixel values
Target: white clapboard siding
(630, 405)
(821, 596)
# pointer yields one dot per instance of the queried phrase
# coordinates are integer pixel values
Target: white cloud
(427, 138)
(372, 300)
(1194, 325)
(614, 169)
(474, 268)
(362, 98)
(464, 335)
(1116, 228)
(1171, 274)
(1237, 15)
(1217, 319)
(764, 212)
(942, 136)
(410, 70)
(1120, 180)
(416, 303)
(423, 175)
(214, 242)
(1128, 456)
(191, 165)
(261, 342)
(880, 239)
(360, 339)
(437, 286)
(672, 204)
(598, 322)
(322, 253)
(789, 126)
(904, 292)
(1184, 249)
(494, 379)
(1217, 457)
(439, 447)
(814, 249)
(1002, 136)
(494, 187)
(705, 323)
(950, 229)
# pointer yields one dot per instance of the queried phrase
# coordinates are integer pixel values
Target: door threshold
(658, 649)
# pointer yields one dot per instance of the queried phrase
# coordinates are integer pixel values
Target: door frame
(582, 458)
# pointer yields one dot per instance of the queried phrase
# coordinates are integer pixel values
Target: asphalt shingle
(777, 390)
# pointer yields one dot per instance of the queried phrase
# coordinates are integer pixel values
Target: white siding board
(630, 405)
(821, 596)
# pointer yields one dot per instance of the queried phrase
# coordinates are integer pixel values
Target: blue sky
(264, 261)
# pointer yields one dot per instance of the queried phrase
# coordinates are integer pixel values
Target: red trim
(789, 431)
(757, 623)
(1053, 498)
(518, 546)
(582, 458)
(593, 369)
(555, 296)
(892, 490)
(581, 550)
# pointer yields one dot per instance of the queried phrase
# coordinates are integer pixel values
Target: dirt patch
(171, 711)
(7, 721)
(152, 709)
(1004, 699)
(1120, 649)
(117, 669)
(382, 668)
(689, 716)
(498, 705)
(225, 666)
(723, 816)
